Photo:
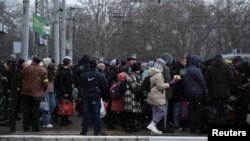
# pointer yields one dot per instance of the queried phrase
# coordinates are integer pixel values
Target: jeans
(91, 108)
(46, 116)
(176, 114)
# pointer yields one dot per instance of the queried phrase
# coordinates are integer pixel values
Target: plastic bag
(103, 110)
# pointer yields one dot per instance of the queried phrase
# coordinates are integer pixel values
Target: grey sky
(68, 2)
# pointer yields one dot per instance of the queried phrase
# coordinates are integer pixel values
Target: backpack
(146, 86)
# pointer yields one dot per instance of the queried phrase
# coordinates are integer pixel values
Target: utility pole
(71, 33)
(47, 16)
(56, 30)
(63, 30)
(25, 30)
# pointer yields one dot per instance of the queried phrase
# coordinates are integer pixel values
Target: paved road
(75, 128)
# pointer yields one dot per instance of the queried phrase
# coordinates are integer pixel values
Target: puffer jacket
(157, 95)
(33, 79)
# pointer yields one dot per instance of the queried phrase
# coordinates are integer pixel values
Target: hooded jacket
(168, 58)
(157, 95)
(194, 82)
(219, 78)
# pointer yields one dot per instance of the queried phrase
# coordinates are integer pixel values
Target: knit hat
(46, 62)
(161, 62)
(66, 60)
(67, 57)
(101, 66)
(121, 76)
(158, 66)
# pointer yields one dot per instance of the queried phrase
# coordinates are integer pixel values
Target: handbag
(44, 105)
(65, 108)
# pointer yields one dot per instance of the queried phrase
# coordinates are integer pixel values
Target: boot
(128, 129)
(133, 127)
(153, 128)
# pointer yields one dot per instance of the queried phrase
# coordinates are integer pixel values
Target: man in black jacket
(220, 80)
(93, 85)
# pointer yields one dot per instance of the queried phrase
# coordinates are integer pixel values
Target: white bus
(231, 56)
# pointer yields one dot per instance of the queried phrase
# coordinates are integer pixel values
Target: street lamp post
(25, 30)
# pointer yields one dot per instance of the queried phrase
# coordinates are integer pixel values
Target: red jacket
(34, 80)
(117, 102)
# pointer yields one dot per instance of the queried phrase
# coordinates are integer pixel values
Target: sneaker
(153, 128)
(48, 126)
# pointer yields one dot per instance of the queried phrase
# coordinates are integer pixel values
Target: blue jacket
(93, 85)
(194, 82)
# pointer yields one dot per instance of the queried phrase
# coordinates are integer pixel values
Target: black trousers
(195, 112)
(30, 112)
(221, 106)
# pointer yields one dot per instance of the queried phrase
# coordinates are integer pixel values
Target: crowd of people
(162, 95)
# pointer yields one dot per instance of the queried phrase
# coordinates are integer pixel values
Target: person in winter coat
(128, 67)
(156, 97)
(132, 105)
(220, 80)
(196, 89)
(117, 92)
(81, 67)
(34, 83)
(111, 75)
(145, 72)
(241, 89)
(168, 59)
(50, 94)
(179, 94)
(63, 85)
(93, 85)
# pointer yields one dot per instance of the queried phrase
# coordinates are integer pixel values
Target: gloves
(174, 81)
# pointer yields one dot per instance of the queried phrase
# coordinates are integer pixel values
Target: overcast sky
(68, 2)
